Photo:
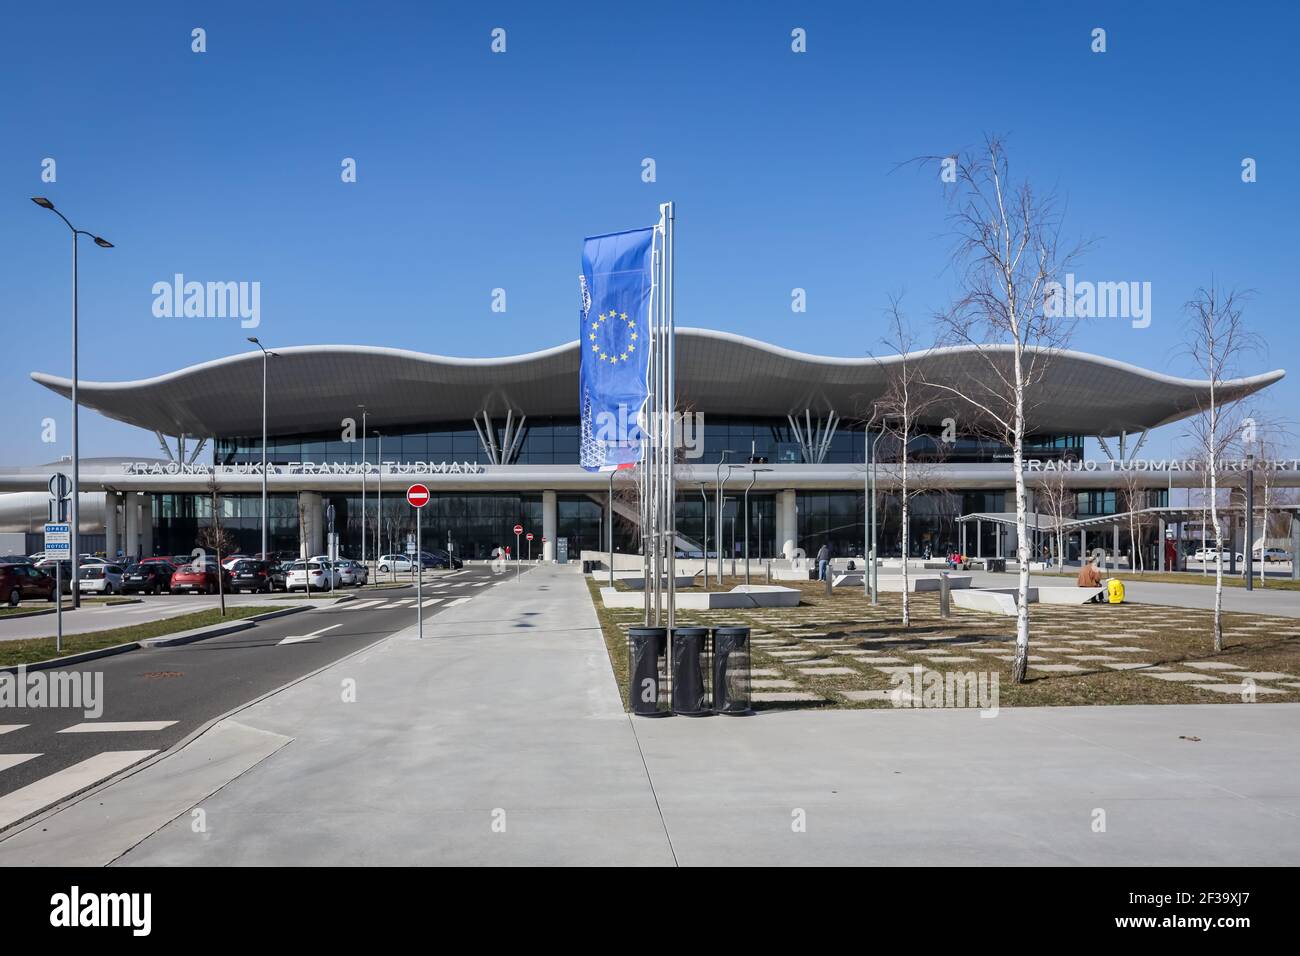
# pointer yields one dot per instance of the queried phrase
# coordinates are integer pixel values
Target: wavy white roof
(312, 387)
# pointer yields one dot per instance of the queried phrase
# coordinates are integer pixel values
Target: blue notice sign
(58, 539)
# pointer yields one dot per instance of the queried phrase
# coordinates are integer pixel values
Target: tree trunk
(1021, 662)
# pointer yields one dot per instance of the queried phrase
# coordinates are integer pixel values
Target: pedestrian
(823, 561)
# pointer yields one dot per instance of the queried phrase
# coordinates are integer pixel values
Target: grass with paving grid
(839, 632)
(30, 650)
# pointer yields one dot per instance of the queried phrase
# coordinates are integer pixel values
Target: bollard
(944, 595)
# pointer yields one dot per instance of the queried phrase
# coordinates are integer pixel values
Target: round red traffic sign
(529, 536)
(519, 529)
(417, 496)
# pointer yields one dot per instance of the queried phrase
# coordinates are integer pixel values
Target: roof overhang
(311, 388)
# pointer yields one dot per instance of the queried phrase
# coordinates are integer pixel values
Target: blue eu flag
(615, 345)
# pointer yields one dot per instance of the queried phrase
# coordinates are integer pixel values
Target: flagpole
(670, 409)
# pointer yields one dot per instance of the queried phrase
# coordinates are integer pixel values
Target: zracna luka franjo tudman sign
(309, 468)
(1165, 464)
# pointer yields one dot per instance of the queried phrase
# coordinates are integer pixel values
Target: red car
(18, 581)
(198, 577)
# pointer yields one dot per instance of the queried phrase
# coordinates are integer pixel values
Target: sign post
(58, 544)
(529, 538)
(519, 529)
(417, 496)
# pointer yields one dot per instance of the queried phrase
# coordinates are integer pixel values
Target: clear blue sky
(479, 171)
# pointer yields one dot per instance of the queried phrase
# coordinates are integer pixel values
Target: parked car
(352, 573)
(1272, 555)
(395, 562)
(312, 576)
(441, 559)
(200, 577)
(48, 567)
(100, 578)
(230, 560)
(150, 576)
(19, 580)
(1211, 555)
(249, 574)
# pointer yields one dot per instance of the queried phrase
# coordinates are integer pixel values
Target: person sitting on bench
(1089, 576)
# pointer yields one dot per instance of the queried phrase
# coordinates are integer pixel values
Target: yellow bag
(1115, 591)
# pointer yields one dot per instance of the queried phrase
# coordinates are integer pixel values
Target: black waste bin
(647, 666)
(731, 685)
(690, 679)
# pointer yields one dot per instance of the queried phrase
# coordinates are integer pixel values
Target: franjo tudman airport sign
(308, 468)
(1164, 464)
(474, 468)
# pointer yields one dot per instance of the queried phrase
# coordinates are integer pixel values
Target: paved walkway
(1265, 600)
(507, 713)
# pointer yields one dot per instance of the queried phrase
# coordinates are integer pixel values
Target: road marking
(480, 584)
(457, 601)
(6, 728)
(35, 796)
(13, 760)
(431, 602)
(399, 603)
(359, 605)
(308, 637)
(116, 726)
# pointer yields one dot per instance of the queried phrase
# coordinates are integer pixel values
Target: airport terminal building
(497, 442)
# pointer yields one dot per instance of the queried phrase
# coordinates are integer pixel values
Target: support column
(1115, 553)
(311, 536)
(111, 499)
(146, 525)
(1295, 547)
(131, 507)
(1160, 549)
(979, 538)
(1083, 547)
(788, 522)
(549, 523)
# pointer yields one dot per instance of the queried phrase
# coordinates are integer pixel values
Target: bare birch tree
(1059, 504)
(1217, 340)
(1008, 259)
(217, 539)
(900, 411)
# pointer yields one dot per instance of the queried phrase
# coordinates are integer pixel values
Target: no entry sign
(519, 529)
(529, 536)
(417, 496)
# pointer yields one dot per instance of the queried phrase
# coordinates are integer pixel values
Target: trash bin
(690, 678)
(647, 666)
(731, 670)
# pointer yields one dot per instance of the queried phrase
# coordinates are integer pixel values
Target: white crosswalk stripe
(457, 601)
(358, 605)
(6, 728)
(116, 726)
(64, 783)
(13, 760)
(308, 637)
(431, 601)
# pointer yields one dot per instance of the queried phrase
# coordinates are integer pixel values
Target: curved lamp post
(76, 447)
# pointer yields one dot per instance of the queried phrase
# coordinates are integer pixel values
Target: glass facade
(554, 441)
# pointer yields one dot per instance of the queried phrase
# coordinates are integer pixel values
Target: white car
(1273, 554)
(395, 562)
(1211, 555)
(100, 578)
(311, 576)
(352, 573)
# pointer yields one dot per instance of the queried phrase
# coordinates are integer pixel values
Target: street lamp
(721, 461)
(75, 543)
(379, 506)
(753, 477)
(363, 484)
(704, 523)
(265, 355)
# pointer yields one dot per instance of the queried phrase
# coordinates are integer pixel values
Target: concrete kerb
(27, 823)
(184, 637)
(51, 610)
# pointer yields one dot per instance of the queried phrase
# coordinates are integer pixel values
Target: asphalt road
(164, 694)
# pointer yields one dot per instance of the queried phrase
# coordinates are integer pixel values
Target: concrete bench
(1068, 595)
